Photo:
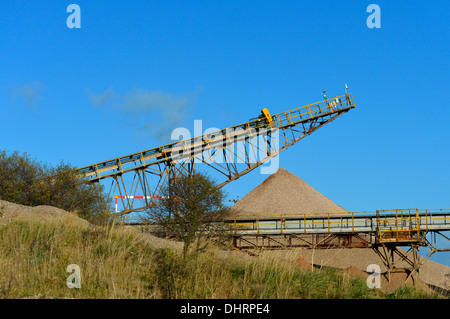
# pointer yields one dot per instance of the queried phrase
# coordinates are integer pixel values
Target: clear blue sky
(135, 70)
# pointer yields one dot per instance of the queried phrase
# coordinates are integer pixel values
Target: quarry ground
(38, 243)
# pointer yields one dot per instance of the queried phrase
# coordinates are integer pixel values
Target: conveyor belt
(393, 224)
(189, 147)
(231, 152)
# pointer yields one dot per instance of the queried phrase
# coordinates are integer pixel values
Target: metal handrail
(385, 223)
(318, 109)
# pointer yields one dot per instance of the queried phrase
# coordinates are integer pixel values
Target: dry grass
(35, 256)
(116, 263)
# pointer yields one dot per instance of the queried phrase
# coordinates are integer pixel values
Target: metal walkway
(388, 225)
(384, 231)
(399, 227)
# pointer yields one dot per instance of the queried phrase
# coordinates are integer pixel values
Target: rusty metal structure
(384, 231)
(137, 179)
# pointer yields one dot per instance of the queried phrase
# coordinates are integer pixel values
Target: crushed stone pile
(11, 211)
(285, 193)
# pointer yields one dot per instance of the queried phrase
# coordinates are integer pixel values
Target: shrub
(26, 181)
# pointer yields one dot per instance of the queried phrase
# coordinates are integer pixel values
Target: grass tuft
(116, 263)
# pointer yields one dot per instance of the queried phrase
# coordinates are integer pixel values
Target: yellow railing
(309, 111)
(282, 221)
(280, 120)
(389, 225)
(405, 224)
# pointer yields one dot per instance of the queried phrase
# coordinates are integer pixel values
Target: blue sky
(82, 95)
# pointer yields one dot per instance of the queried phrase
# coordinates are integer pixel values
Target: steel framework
(232, 152)
(385, 231)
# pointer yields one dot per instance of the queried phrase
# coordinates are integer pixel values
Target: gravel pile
(10, 211)
(285, 193)
(431, 273)
(162, 243)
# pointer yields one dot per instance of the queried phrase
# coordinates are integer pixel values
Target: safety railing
(404, 225)
(389, 225)
(304, 223)
(130, 162)
(310, 111)
(398, 225)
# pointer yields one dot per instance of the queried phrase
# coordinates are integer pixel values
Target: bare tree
(191, 209)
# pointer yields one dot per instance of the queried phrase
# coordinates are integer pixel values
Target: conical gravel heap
(285, 193)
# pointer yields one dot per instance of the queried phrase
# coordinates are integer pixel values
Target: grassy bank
(115, 263)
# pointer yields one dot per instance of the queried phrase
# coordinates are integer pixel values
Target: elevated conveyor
(383, 231)
(232, 152)
(387, 225)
